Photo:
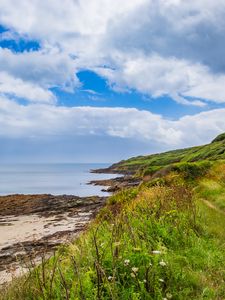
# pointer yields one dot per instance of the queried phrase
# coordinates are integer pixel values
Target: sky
(104, 80)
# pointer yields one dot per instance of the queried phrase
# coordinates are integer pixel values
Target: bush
(219, 138)
(192, 171)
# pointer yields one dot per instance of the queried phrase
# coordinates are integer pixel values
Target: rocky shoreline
(31, 225)
(116, 184)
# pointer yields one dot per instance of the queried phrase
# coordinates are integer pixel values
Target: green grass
(149, 164)
(116, 258)
(212, 187)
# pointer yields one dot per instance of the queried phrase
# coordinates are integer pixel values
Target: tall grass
(212, 186)
(147, 243)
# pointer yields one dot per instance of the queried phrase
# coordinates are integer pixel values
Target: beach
(33, 225)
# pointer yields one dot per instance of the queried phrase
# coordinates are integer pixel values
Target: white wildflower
(126, 262)
(169, 296)
(110, 278)
(156, 252)
(132, 275)
(134, 269)
(161, 280)
(162, 263)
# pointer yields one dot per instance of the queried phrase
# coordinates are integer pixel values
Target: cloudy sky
(103, 80)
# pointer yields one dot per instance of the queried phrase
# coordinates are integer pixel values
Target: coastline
(31, 225)
(35, 224)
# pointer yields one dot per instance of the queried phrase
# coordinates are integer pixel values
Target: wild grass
(212, 186)
(147, 243)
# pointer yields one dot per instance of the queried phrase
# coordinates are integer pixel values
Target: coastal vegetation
(163, 239)
(150, 164)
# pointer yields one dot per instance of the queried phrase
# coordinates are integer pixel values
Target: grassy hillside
(149, 164)
(161, 240)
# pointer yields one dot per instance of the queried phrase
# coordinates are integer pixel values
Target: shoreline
(31, 225)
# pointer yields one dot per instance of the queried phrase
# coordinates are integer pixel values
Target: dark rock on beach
(118, 183)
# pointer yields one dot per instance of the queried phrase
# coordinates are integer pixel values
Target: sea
(55, 179)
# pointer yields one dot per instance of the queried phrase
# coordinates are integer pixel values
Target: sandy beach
(34, 224)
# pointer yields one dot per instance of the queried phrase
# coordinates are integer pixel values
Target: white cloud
(50, 121)
(158, 76)
(48, 67)
(73, 17)
(173, 47)
(39, 120)
(30, 75)
(18, 88)
(9, 35)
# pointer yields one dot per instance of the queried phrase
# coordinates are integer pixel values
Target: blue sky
(103, 81)
(96, 92)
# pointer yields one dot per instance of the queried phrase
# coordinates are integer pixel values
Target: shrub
(192, 170)
(219, 138)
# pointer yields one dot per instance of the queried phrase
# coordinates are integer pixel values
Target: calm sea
(56, 179)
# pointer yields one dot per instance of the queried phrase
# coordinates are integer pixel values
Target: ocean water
(56, 179)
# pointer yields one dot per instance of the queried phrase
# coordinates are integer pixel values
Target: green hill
(151, 163)
(163, 239)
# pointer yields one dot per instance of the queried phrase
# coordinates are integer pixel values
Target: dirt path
(212, 206)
